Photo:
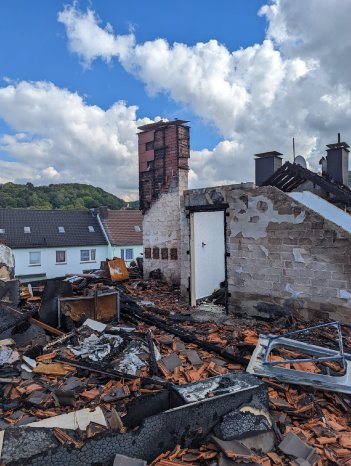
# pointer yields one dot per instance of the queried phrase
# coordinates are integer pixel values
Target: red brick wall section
(159, 166)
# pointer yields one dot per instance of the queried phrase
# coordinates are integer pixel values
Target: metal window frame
(259, 364)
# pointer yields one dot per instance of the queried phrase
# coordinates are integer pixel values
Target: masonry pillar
(164, 152)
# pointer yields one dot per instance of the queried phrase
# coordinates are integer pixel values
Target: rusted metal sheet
(101, 307)
(118, 270)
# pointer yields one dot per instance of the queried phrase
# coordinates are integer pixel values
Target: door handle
(203, 244)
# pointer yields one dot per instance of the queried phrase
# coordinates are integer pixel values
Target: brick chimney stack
(164, 152)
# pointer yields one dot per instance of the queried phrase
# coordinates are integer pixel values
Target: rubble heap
(129, 369)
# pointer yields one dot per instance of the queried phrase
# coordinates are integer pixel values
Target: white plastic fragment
(297, 255)
(344, 294)
(95, 325)
(74, 420)
(29, 361)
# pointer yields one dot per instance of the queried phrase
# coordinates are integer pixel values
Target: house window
(88, 255)
(60, 257)
(61, 229)
(34, 258)
(26, 229)
(2, 230)
(149, 145)
(127, 254)
(91, 229)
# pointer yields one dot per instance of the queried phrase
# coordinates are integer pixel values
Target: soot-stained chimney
(164, 152)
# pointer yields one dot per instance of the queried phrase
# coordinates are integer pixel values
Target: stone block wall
(279, 252)
(161, 237)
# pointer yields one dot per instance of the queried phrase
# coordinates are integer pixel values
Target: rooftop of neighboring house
(26, 228)
(332, 181)
(123, 227)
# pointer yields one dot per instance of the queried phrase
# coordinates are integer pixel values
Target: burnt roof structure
(290, 176)
(159, 124)
(26, 228)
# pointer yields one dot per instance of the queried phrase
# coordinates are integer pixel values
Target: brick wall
(163, 175)
(282, 254)
(163, 152)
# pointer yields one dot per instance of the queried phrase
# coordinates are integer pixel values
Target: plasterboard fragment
(344, 294)
(297, 255)
(74, 420)
(294, 293)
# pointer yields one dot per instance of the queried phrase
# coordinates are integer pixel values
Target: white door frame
(192, 250)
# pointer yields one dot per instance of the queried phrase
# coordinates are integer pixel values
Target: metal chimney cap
(339, 145)
(266, 155)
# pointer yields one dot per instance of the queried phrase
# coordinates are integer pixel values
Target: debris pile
(91, 367)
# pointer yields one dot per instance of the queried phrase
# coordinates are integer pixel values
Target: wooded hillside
(59, 196)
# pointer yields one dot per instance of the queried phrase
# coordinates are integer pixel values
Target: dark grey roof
(44, 228)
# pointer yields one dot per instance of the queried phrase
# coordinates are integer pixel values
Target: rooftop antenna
(294, 149)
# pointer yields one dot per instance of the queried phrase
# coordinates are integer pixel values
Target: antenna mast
(294, 149)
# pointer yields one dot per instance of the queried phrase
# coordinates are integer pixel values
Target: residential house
(52, 243)
(272, 249)
(123, 230)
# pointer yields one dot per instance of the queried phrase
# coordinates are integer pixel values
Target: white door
(207, 253)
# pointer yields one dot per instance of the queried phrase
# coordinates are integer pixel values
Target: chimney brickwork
(164, 152)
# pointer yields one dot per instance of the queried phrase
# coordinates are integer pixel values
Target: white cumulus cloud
(293, 84)
(58, 137)
(258, 97)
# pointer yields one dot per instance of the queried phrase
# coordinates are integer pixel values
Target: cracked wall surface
(278, 251)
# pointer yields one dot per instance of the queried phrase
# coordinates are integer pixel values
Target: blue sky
(249, 75)
(34, 47)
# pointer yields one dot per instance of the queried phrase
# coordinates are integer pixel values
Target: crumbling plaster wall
(279, 252)
(162, 232)
(161, 237)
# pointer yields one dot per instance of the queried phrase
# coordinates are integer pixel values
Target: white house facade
(52, 243)
(41, 263)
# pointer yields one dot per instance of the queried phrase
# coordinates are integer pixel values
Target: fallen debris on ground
(152, 381)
